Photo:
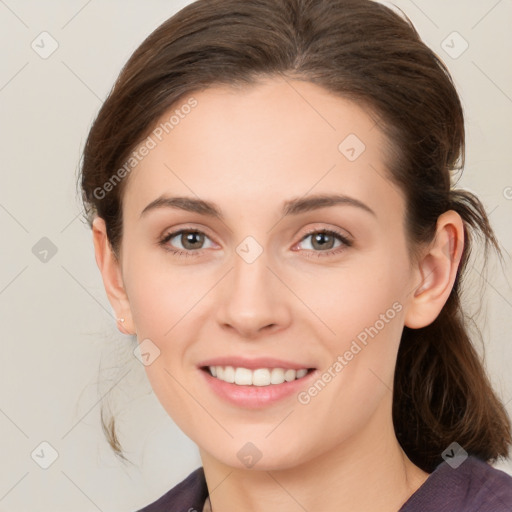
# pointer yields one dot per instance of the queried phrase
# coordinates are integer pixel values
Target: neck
(367, 473)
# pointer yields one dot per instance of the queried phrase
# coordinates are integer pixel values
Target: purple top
(474, 486)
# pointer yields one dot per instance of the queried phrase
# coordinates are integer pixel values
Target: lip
(254, 364)
(255, 397)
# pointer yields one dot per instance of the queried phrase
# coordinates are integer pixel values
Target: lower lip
(256, 397)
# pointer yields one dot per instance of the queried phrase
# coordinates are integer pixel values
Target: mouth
(241, 376)
(255, 383)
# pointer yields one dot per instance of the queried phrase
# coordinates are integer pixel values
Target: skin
(248, 150)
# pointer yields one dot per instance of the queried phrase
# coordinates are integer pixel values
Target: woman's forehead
(274, 139)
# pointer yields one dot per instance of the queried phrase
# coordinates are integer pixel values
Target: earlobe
(111, 274)
(436, 271)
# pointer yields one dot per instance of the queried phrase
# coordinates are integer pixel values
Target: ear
(110, 269)
(436, 271)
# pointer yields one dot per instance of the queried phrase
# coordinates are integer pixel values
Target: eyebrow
(294, 206)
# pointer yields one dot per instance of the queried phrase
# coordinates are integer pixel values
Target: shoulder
(473, 486)
(188, 496)
(491, 487)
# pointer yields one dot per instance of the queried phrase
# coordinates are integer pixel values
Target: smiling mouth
(258, 377)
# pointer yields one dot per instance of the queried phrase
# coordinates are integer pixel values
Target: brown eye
(191, 239)
(184, 240)
(323, 243)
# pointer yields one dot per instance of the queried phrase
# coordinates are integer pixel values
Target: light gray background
(57, 325)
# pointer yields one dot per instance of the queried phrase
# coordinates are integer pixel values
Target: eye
(325, 241)
(192, 242)
(189, 239)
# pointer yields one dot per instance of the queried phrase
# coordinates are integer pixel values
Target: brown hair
(363, 51)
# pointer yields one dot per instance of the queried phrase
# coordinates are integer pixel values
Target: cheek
(161, 294)
(364, 306)
(352, 299)
(175, 393)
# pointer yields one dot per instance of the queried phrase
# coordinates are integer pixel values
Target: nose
(254, 300)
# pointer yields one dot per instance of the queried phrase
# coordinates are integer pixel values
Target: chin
(258, 456)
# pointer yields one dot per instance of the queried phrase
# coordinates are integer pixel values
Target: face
(296, 267)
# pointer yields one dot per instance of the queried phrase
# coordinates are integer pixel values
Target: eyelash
(315, 254)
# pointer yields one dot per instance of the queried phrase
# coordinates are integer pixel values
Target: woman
(270, 192)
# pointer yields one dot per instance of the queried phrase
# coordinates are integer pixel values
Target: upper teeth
(259, 377)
